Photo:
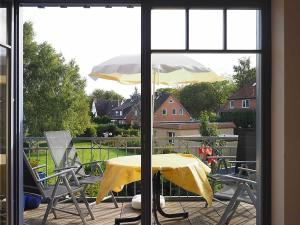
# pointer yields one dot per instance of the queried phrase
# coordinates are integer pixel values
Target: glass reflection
(3, 25)
(3, 131)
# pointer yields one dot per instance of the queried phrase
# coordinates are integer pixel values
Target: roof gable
(246, 92)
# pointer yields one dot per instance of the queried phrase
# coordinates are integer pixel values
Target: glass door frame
(263, 95)
(13, 190)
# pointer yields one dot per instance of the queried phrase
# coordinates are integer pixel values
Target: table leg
(156, 202)
(118, 221)
(156, 206)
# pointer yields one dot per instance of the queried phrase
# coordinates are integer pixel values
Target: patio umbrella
(167, 69)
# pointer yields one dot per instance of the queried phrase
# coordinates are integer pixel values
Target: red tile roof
(247, 92)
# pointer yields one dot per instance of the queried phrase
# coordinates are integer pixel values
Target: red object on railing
(207, 151)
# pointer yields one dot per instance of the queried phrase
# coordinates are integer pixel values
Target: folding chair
(65, 156)
(54, 194)
(245, 192)
(238, 178)
(243, 167)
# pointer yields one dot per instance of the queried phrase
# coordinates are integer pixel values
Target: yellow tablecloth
(184, 170)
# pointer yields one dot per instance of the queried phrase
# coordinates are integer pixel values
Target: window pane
(206, 29)
(168, 29)
(3, 25)
(242, 29)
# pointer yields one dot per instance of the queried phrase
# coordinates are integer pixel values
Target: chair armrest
(247, 170)
(65, 168)
(93, 162)
(238, 179)
(39, 167)
(56, 175)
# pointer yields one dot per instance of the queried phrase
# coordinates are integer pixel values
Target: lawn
(43, 157)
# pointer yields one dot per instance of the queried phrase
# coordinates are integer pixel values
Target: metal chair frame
(66, 162)
(59, 194)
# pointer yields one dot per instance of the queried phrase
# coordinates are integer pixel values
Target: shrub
(124, 126)
(90, 132)
(124, 133)
(107, 128)
(102, 120)
(207, 129)
(241, 118)
(134, 132)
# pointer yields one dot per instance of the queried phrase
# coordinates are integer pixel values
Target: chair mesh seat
(228, 191)
(61, 190)
(90, 179)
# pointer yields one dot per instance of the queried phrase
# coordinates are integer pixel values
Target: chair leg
(231, 205)
(49, 207)
(114, 200)
(82, 195)
(232, 211)
(251, 195)
(51, 201)
(53, 210)
(74, 200)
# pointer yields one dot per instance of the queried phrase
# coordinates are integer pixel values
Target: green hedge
(102, 120)
(241, 118)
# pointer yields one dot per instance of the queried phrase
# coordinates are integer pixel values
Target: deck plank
(105, 214)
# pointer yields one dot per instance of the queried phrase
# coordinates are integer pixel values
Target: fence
(100, 148)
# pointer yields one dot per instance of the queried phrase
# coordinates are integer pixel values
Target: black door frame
(263, 99)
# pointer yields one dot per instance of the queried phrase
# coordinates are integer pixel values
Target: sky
(94, 35)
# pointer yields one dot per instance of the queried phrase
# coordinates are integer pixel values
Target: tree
(223, 90)
(244, 74)
(173, 91)
(107, 95)
(206, 128)
(199, 97)
(54, 96)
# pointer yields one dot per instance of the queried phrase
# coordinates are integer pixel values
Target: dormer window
(164, 112)
(174, 112)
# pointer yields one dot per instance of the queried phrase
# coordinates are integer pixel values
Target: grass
(85, 155)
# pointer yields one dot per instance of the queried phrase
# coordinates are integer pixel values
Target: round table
(184, 170)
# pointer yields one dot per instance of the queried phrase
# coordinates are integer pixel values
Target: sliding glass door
(5, 51)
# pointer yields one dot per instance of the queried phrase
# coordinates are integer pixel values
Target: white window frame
(231, 104)
(164, 110)
(173, 112)
(171, 101)
(244, 103)
(181, 112)
(171, 138)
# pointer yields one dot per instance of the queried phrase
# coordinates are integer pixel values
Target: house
(128, 112)
(171, 119)
(165, 131)
(242, 99)
(101, 107)
(167, 108)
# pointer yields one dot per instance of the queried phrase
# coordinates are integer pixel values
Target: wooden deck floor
(105, 214)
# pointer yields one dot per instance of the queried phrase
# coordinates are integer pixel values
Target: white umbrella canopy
(168, 69)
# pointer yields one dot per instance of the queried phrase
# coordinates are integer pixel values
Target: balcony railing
(105, 148)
